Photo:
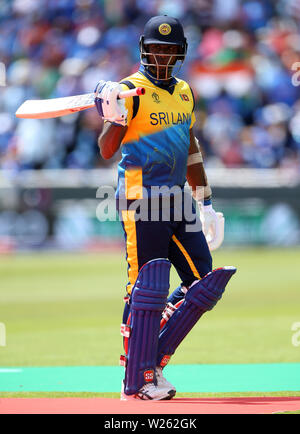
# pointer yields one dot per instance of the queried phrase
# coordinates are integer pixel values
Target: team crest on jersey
(164, 29)
(184, 97)
(155, 97)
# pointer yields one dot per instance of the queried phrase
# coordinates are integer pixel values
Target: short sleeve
(193, 120)
(193, 117)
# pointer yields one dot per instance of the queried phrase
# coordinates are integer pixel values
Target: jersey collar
(169, 87)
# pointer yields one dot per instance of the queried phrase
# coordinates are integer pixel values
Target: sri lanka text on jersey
(166, 118)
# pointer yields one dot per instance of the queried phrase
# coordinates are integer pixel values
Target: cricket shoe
(162, 382)
(150, 392)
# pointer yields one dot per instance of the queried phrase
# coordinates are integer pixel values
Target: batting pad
(200, 297)
(148, 299)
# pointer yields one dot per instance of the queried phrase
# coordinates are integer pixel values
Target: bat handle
(132, 92)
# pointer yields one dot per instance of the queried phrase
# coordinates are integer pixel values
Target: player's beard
(162, 72)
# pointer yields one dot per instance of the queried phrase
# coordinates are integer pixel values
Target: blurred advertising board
(65, 217)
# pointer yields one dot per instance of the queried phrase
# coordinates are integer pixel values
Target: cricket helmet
(166, 30)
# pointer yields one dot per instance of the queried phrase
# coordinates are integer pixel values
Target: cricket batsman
(159, 154)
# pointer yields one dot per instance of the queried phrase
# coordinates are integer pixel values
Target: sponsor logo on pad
(149, 376)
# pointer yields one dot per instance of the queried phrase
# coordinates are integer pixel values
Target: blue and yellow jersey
(155, 147)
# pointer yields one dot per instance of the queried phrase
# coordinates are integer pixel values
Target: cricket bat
(55, 107)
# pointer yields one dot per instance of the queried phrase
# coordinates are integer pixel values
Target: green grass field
(65, 310)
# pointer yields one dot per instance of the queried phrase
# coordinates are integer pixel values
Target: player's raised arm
(213, 222)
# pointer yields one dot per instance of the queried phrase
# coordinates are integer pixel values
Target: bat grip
(132, 92)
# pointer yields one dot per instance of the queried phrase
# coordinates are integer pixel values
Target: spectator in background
(240, 59)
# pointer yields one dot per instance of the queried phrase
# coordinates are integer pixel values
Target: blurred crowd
(241, 63)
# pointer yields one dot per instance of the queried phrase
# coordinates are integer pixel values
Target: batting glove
(213, 226)
(107, 103)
